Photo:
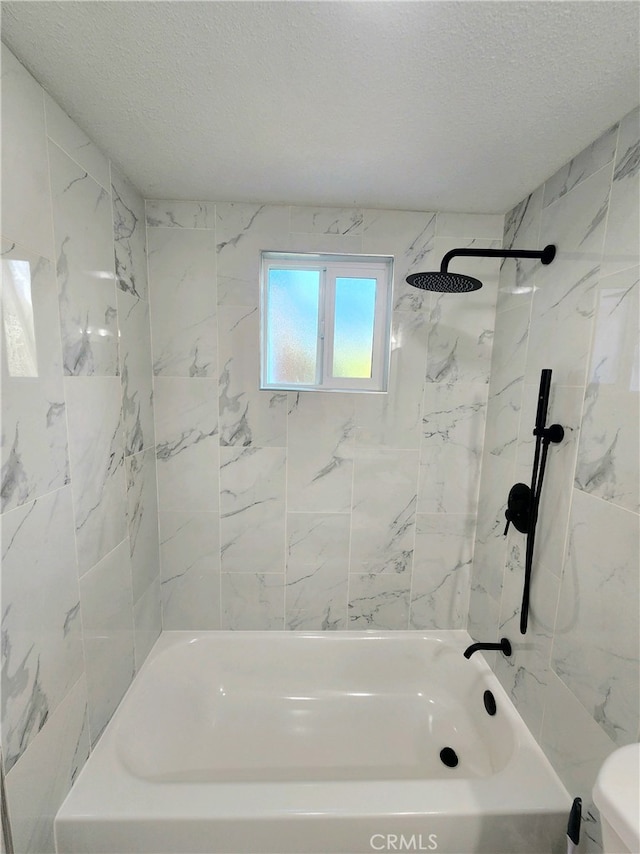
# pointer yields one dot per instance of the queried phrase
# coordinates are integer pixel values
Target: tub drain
(449, 757)
(490, 703)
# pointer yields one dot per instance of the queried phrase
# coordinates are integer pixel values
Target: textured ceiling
(418, 105)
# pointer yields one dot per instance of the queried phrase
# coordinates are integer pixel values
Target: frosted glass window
(355, 306)
(325, 321)
(292, 326)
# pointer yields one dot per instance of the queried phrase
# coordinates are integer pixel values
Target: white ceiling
(426, 105)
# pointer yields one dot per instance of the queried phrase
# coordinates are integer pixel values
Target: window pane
(292, 326)
(353, 331)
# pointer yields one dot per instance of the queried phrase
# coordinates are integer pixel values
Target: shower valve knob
(518, 510)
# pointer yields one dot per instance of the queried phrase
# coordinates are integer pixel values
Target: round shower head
(448, 283)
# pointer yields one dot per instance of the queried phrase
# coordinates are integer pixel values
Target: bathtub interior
(375, 707)
(295, 743)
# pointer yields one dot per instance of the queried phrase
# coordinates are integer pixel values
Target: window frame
(333, 266)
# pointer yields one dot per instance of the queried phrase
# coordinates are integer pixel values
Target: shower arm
(545, 255)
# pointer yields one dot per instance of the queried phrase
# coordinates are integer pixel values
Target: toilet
(617, 796)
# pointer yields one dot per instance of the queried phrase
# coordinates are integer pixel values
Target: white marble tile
(175, 214)
(383, 512)
(409, 237)
(379, 601)
(393, 420)
(490, 549)
(252, 601)
(576, 747)
(622, 247)
(451, 449)
(461, 334)
(320, 452)
(317, 570)
(142, 520)
(582, 166)
(135, 373)
(470, 225)
(41, 635)
(565, 406)
(26, 197)
(39, 783)
(129, 234)
(97, 466)
(252, 509)
(147, 622)
(83, 230)
(34, 431)
(506, 383)
(247, 416)
(595, 650)
(187, 443)
(337, 244)
(525, 674)
(107, 622)
(441, 571)
(564, 300)
(74, 141)
(182, 276)
(484, 616)
(517, 275)
(608, 463)
(242, 232)
(312, 220)
(190, 560)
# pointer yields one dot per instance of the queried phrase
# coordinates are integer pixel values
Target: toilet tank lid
(617, 793)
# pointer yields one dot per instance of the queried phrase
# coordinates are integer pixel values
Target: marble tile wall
(314, 510)
(80, 551)
(575, 676)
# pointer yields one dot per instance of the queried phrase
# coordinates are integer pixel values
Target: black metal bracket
(520, 502)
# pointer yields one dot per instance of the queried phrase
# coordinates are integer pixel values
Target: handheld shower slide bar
(524, 501)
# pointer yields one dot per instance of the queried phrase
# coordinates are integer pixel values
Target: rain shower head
(447, 283)
(458, 283)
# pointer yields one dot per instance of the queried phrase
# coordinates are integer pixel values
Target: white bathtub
(278, 742)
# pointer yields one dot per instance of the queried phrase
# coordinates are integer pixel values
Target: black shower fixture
(458, 283)
(524, 501)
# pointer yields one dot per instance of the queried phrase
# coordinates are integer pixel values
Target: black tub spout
(504, 646)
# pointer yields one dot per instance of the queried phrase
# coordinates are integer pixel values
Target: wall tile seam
(602, 279)
(513, 462)
(582, 180)
(580, 184)
(236, 572)
(61, 147)
(49, 720)
(510, 308)
(582, 705)
(143, 450)
(79, 165)
(32, 499)
(153, 415)
(136, 296)
(606, 501)
(103, 558)
(82, 168)
(180, 228)
(17, 244)
(592, 335)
